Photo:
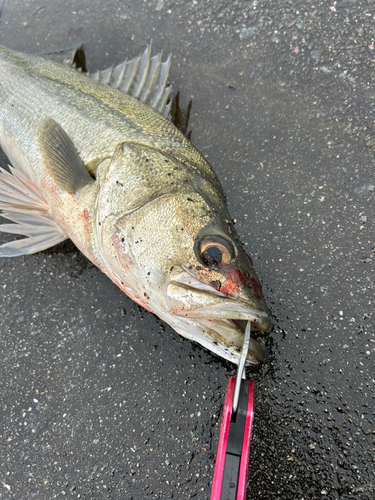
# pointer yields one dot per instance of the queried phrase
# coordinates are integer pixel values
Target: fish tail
(22, 202)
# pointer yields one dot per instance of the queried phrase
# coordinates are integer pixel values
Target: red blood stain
(229, 287)
(235, 281)
(86, 225)
(257, 288)
(237, 277)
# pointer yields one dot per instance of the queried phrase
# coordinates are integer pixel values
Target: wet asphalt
(99, 398)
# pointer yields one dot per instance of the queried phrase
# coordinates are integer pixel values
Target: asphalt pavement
(99, 398)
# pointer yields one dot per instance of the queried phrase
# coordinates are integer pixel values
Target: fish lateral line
(153, 198)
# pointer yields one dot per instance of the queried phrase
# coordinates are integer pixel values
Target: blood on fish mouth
(223, 318)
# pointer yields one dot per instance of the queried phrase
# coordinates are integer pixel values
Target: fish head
(214, 290)
(180, 257)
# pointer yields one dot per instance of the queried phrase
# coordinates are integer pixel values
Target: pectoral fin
(61, 158)
(24, 204)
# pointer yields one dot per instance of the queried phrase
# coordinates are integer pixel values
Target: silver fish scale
(102, 168)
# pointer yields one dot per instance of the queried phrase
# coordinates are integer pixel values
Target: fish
(95, 158)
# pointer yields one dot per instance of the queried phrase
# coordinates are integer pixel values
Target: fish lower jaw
(227, 337)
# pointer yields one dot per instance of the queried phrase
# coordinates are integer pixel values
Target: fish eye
(215, 251)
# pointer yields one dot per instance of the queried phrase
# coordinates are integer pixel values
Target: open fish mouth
(230, 333)
(223, 319)
(232, 312)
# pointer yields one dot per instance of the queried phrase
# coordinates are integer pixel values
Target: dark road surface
(99, 398)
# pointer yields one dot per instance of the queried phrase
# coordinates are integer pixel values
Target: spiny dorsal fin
(24, 204)
(144, 77)
(61, 158)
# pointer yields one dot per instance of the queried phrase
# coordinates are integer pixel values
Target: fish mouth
(224, 319)
(230, 334)
(233, 312)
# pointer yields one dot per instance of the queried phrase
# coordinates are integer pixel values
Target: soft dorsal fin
(61, 158)
(71, 56)
(144, 77)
